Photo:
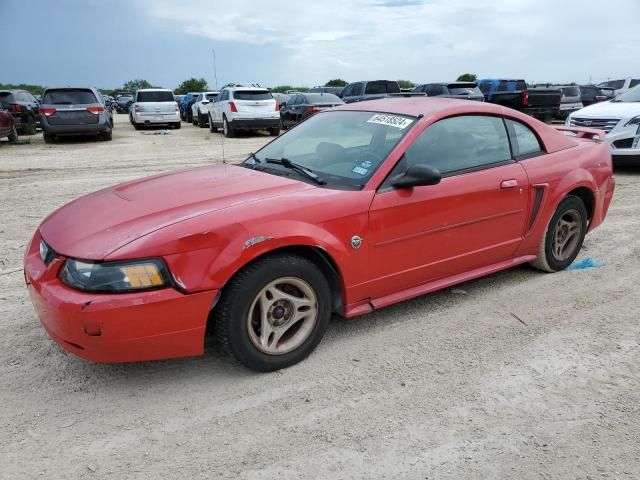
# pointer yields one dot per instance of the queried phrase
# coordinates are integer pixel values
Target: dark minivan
(74, 111)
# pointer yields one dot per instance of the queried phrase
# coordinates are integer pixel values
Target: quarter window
(524, 141)
(458, 144)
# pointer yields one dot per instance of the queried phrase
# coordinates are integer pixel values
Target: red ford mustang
(355, 209)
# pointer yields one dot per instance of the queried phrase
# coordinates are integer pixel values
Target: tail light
(233, 107)
(47, 112)
(137, 108)
(277, 107)
(15, 107)
(314, 109)
(177, 108)
(525, 99)
(95, 110)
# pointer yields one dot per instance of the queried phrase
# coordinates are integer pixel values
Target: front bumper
(128, 327)
(624, 144)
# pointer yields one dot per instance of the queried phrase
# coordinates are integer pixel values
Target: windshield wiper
(255, 164)
(285, 162)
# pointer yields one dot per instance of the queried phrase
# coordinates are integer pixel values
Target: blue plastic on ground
(583, 264)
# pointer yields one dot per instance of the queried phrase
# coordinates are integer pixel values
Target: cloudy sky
(107, 42)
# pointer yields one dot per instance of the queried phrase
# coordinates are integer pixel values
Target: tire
(212, 128)
(274, 132)
(570, 216)
(137, 126)
(201, 123)
(227, 129)
(241, 334)
(48, 137)
(107, 136)
(177, 125)
(13, 136)
(29, 128)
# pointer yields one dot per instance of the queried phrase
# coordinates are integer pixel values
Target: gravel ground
(447, 386)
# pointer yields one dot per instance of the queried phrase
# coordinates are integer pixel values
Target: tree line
(201, 84)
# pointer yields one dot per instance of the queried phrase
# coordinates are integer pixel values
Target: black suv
(23, 107)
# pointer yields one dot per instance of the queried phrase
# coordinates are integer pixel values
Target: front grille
(606, 124)
(624, 143)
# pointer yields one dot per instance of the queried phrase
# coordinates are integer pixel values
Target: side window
(347, 91)
(357, 89)
(459, 144)
(434, 90)
(225, 95)
(523, 140)
(634, 82)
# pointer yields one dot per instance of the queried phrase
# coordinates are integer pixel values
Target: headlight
(115, 277)
(633, 121)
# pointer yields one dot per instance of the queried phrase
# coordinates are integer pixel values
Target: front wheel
(563, 237)
(212, 128)
(274, 312)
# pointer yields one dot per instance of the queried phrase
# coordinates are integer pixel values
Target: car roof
(436, 108)
(154, 90)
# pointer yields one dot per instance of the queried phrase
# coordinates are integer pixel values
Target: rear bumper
(255, 123)
(91, 129)
(116, 328)
(157, 119)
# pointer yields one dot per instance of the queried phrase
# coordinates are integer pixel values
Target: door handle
(509, 183)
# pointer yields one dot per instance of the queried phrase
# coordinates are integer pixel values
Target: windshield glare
(632, 95)
(344, 148)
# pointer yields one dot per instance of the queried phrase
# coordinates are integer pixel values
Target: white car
(244, 107)
(200, 109)
(620, 86)
(620, 119)
(154, 106)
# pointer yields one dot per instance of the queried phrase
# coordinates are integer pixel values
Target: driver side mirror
(417, 176)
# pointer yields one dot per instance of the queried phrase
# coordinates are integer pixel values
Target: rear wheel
(177, 125)
(13, 136)
(212, 128)
(29, 127)
(137, 126)
(48, 138)
(274, 132)
(563, 237)
(274, 312)
(202, 123)
(226, 128)
(108, 135)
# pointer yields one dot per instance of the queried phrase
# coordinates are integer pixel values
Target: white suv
(154, 106)
(620, 120)
(200, 109)
(244, 107)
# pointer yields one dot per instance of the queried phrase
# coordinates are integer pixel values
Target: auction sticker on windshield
(391, 120)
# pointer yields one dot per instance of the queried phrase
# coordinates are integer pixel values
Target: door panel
(465, 222)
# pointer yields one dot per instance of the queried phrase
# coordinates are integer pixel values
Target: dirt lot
(450, 385)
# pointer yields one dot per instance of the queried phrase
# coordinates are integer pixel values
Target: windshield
(570, 91)
(632, 95)
(252, 95)
(155, 96)
(344, 148)
(69, 97)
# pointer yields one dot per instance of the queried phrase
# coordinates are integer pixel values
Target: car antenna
(215, 79)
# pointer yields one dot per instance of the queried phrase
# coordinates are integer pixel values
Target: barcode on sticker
(390, 120)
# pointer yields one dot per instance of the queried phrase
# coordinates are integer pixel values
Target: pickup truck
(542, 103)
(371, 90)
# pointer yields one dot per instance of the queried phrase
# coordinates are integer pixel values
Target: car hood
(96, 225)
(610, 109)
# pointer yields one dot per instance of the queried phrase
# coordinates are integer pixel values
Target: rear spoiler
(588, 133)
